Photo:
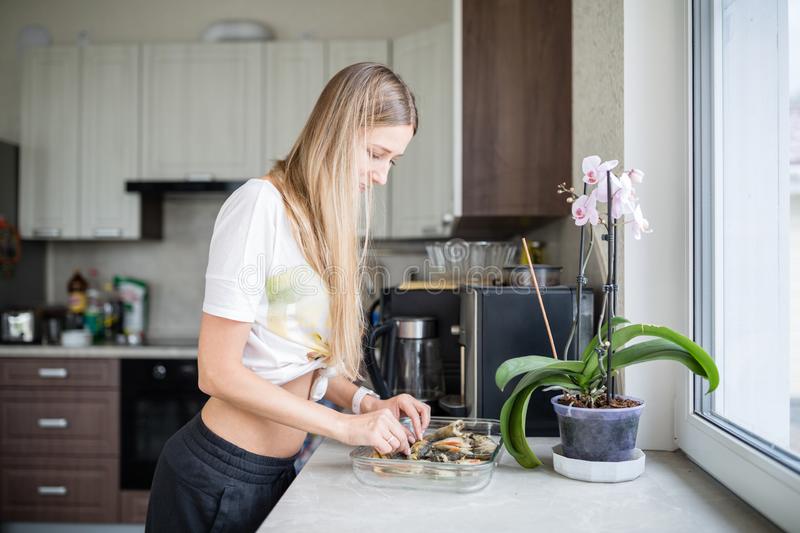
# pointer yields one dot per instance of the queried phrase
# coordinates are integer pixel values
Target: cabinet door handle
(107, 232)
(53, 373)
(52, 423)
(46, 490)
(47, 232)
(463, 358)
(447, 219)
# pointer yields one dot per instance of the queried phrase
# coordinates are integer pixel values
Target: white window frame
(752, 472)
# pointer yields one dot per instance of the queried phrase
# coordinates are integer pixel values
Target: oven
(158, 396)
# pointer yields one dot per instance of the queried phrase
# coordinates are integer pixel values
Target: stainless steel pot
(520, 275)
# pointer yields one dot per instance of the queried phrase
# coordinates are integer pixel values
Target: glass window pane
(794, 226)
(747, 218)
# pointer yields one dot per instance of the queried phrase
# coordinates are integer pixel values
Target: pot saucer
(598, 471)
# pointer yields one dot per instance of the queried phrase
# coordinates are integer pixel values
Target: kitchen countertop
(673, 494)
(183, 349)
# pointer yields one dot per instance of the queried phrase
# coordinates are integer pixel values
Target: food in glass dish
(449, 444)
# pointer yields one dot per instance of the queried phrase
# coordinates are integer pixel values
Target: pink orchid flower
(635, 175)
(640, 224)
(623, 193)
(594, 170)
(584, 209)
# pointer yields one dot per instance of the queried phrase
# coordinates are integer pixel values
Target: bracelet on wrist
(358, 397)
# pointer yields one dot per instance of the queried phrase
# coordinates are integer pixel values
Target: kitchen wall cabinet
(342, 53)
(422, 199)
(95, 117)
(517, 107)
(80, 138)
(201, 105)
(109, 141)
(294, 75)
(49, 189)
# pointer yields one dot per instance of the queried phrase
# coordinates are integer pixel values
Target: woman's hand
(379, 429)
(418, 412)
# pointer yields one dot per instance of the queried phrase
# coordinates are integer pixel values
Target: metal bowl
(458, 254)
(520, 275)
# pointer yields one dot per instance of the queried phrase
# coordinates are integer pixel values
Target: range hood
(465, 226)
(159, 187)
(152, 198)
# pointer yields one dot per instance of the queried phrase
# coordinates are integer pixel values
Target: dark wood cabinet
(62, 422)
(48, 489)
(133, 506)
(517, 107)
(43, 372)
(59, 440)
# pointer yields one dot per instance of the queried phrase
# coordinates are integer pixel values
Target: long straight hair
(320, 185)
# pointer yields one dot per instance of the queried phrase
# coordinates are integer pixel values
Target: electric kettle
(410, 361)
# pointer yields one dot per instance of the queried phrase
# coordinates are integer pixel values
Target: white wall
(657, 140)
(125, 21)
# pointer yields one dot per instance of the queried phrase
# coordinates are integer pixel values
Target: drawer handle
(107, 232)
(53, 373)
(47, 232)
(53, 423)
(45, 490)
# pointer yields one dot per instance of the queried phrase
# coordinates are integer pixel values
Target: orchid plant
(624, 199)
(587, 379)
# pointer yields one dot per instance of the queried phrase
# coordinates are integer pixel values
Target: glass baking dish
(427, 475)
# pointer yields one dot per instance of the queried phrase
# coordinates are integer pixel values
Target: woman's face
(384, 145)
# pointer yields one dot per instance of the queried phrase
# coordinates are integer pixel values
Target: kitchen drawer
(50, 422)
(59, 373)
(133, 506)
(47, 489)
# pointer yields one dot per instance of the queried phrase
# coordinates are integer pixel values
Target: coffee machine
(480, 327)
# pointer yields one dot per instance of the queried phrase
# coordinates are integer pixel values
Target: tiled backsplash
(174, 266)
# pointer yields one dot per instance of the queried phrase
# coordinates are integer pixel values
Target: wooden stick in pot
(539, 295)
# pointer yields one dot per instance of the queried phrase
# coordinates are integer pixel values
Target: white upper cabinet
(49, 143)
(422, 182)
(294, 74)
(342, 53)
(201, 110)
(109, 141)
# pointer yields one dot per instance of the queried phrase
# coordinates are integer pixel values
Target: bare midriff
(255, 433)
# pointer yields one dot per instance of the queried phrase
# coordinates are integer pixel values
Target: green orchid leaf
(624, 335)
(520, 365)
(513, 416)
(565, 368)
(590, 348)
(657, 349)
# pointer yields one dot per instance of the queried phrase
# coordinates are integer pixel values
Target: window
(747, 302)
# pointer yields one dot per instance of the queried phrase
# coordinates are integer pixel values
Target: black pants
(204, 483)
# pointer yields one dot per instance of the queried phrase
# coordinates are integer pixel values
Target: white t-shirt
(256, 273)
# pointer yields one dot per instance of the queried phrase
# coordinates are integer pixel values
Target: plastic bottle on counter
(134, 295)
(76, 300)
(93, 317)
(112, 315)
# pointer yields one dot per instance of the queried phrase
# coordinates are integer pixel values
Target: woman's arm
(340, 391)
(222, 375)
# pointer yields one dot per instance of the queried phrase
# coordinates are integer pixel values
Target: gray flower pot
(607, 435)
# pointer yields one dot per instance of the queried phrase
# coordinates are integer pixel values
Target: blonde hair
(320, 185)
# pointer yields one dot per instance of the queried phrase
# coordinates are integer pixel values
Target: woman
(282, 320)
